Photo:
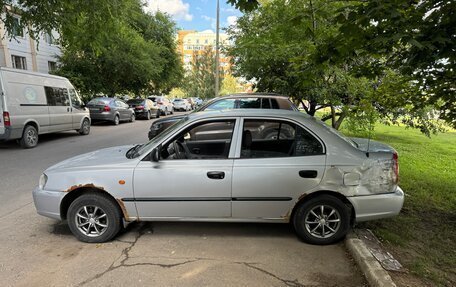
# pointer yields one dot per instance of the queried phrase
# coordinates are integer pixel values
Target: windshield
(146, 147)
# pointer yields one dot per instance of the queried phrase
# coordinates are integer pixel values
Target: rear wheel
(116, 120)
(94, 218)
(85, 127)
(132, 117)
(148, 115)
(157, 114)
(29, 137)
(322, 220)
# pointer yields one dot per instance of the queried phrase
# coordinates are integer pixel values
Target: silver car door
(196, 187)
(279, 161)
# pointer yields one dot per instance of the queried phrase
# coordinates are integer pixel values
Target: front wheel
(94, 218)
(132, 117)
(116, 120)
(322, 220)
(85, 128)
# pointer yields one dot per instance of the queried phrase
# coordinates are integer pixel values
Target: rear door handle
(216, 174)
(308, 173)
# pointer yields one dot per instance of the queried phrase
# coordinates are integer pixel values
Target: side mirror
(155, 155)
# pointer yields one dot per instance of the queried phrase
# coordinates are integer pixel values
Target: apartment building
(191, 43)
(25, 53)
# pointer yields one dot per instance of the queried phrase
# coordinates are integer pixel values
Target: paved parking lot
(37, 251)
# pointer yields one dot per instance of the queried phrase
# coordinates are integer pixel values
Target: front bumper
(376, 206)
(47, 203)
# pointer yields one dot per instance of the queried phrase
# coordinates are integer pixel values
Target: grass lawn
(423, 236)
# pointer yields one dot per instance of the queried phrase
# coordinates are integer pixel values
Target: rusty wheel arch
(79, 190)
(304, 197)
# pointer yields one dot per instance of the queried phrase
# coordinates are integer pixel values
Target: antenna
(370, 131)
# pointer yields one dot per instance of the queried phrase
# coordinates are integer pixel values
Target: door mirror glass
(155, 154)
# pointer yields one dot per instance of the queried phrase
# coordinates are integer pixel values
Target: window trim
(241, 127)
(23, 62)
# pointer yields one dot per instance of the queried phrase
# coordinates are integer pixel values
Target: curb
(375, 274)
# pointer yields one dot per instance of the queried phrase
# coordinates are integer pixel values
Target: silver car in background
(110, 109)
(233, 166)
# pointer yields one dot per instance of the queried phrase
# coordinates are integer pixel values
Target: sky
(195, 14)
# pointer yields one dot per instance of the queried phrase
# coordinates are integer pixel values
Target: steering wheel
(178, 146)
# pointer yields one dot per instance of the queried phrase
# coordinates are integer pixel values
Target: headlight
(43, 180)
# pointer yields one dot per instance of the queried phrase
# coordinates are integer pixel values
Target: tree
(139, 57)
(229, 85)
(279, 46)
(200, 80)
(417, 38)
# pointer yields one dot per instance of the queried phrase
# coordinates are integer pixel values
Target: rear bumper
(102, 116)
(378, 206)
(11, 134)
(47, 203)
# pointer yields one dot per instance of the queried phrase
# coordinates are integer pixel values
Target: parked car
(110, 109)
(192, 103)
(164, 104)
(236, 101)
(182, 105)
(198, 102)
(32, 104)
(144, 108)
(229, 170)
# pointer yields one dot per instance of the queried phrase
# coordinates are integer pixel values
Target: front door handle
(308, 173)
(216, 174)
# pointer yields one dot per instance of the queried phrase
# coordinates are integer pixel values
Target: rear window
(99, 101)
(135, 102)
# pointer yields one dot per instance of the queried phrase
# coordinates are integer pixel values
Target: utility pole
(217, 55)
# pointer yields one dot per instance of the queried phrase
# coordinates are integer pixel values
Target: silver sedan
(228, 166)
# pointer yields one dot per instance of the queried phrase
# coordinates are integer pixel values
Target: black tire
(157, 114)
(148, 115)
(29, 137)
(85, 127)
(334, 232)
(116, 121)
(112, 220)
(132, 118)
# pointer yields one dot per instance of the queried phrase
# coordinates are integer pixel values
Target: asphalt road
(37, 251)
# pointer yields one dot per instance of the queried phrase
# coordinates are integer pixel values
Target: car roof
(250, 95)
(249, 113)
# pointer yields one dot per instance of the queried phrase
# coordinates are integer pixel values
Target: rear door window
(250, 103)
(272, 138)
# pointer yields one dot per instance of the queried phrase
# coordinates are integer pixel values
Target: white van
(33, 103)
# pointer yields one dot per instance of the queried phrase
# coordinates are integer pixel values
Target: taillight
(396, 166)
(106, 108)
(6, 119)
